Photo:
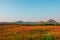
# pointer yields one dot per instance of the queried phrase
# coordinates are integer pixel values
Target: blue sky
(29, 10)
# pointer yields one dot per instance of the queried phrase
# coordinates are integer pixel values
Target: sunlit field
(18, 32)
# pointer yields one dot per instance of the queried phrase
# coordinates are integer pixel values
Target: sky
(29, 10)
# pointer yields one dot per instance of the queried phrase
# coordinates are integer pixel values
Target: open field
(18, 32)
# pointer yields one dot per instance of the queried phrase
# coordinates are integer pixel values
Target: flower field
(18, 32)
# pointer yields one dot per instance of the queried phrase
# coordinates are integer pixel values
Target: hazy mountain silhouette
(19, 22)
(29, 22)
(51, 21)
(41, 22)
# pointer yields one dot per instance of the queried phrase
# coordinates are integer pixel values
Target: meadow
(20, 32)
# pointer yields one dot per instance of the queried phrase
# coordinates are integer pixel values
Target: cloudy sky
(29, 10)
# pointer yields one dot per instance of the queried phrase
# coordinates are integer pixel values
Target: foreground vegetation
(45, 24)
(19, 32)
(40, 24)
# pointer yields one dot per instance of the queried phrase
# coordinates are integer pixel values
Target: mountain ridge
(50, 21)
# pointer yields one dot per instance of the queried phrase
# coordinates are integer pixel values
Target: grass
(18, 32)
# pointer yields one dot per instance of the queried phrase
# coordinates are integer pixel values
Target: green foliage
(45, 24)
(47, 38)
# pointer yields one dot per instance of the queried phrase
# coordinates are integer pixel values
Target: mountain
(19, 22)
(7, 23)
(29, 22)
(51, 21)
(41, 22)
